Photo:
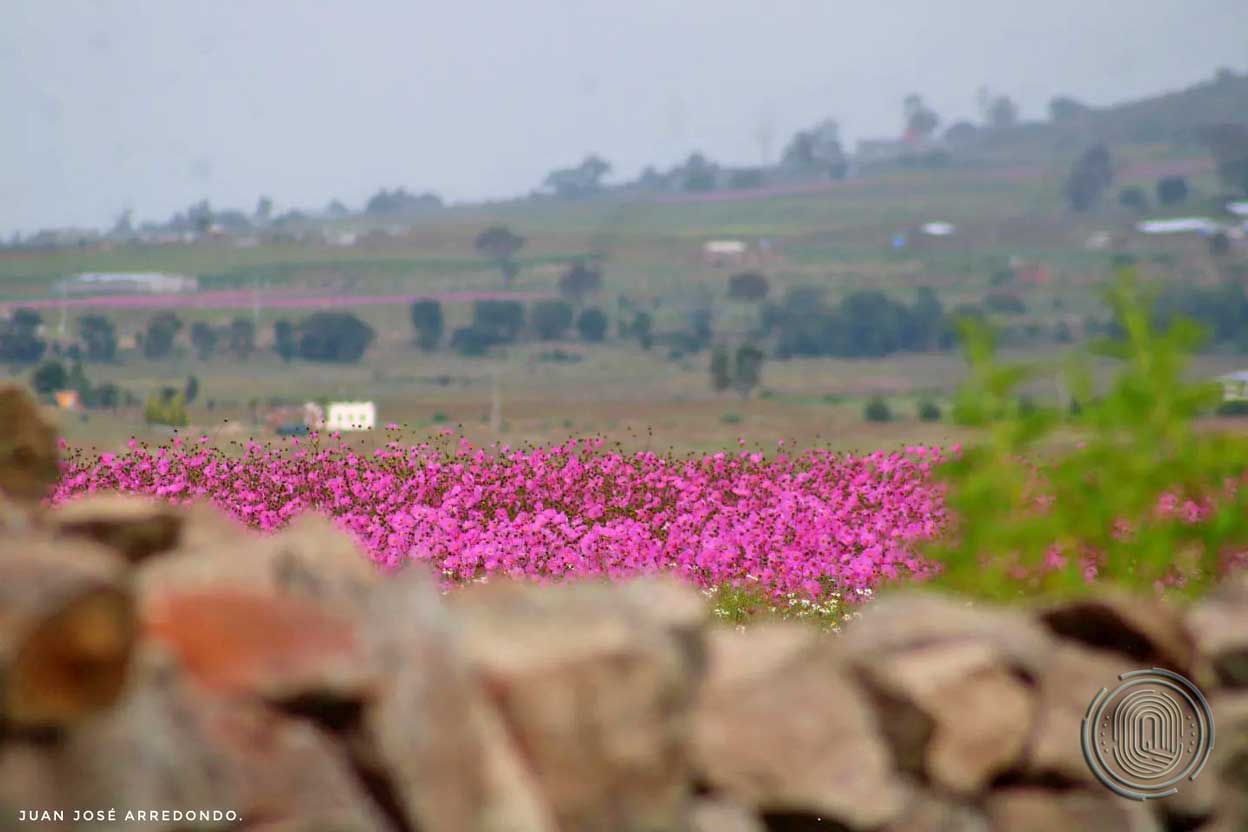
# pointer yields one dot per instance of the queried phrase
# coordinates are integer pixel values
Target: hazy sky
(153, 105)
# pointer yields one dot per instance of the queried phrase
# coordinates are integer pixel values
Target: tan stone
(1220, 629)
(1148, 631)
(134, 527)
(595, 684)
(979, 713)
(909, 620)
(1074, 677)
(28, 452)
(1044, 810)
(798, 738)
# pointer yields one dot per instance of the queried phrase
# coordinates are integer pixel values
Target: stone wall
(154, 658)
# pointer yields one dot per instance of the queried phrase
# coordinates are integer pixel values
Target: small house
(67, 400)
(1234, 386)
(724, 252)
(347, 416)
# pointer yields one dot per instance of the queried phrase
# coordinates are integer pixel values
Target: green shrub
(167, 407)
(731, 418)
(1038, 517)
(1233, 408)
(929, 411)
(877, 410)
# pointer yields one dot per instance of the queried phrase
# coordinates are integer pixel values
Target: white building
(123, 283)
(345, 416)
(724, 252)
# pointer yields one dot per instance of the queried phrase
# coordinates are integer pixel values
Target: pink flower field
(816, 524)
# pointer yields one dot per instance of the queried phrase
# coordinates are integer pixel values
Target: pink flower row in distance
(814, 524)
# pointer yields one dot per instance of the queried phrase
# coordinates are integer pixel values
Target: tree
(592, 324)
(400, 202)
(1004, 113)
(750, 287)
(428, 323)
(721, 369)
(1228, 143)
(19, 338)
(168, 407)
(204, 338)
(698, 174)
(49, 377)
(641, 328)
(749, 369)
(1172, 190)
(877, 410)
(1133, 198)
(501, 246)
(1089, 178)
(336, 337)
(242, 337)
(498, 321)
(264, 209)
(920, 120)
(162, 329)
(1063, 109)
(284, 341)
(98, 336)
(582, 180)
(551, 319)
(579, 281)
(336, 209)
(961, 134)
(191, 390)
(817, 150)
(470, 341)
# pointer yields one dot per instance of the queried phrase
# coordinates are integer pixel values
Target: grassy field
(836, 238)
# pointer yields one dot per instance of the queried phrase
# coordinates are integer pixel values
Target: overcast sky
(154, 105)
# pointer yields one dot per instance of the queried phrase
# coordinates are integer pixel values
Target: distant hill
(1173, 116)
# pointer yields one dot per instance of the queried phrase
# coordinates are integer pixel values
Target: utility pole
(496, 403)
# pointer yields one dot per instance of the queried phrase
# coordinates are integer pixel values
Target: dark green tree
(285, 342)
(427, 321)
(501, 246)
(204, 338)
(1091, 175)
(49, 377)
(551, 319)
(98, 336)
(335, 337)
(162, 330)
(592, 324)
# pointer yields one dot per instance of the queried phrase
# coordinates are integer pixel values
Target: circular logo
(1152, 732)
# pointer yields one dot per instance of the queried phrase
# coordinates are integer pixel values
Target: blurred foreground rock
(154, 658)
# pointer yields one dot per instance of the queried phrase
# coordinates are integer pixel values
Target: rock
(1219, 796)
(280, 649)
(715, 815)
(310, 558)
(28, 452)
(1074, 677)
(1147, 630)
(929, 812)
(134, 527)
(595, 684)
(172, 744)
(798, 738)
(423, 730)
(907, 620)
(1220, 629)
(977, 713)
(1045, 810)
(67, 630)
